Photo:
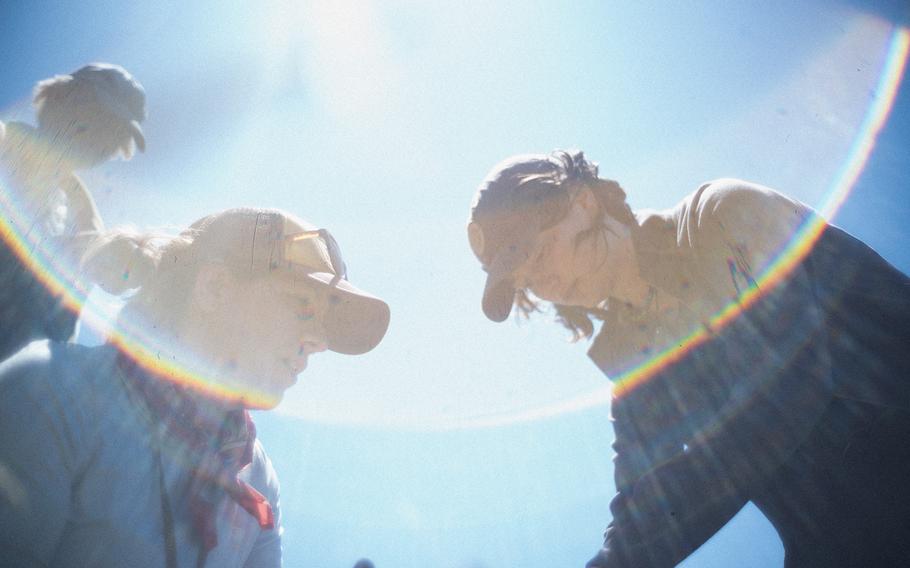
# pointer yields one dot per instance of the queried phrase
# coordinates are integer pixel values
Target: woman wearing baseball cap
(48, 216)
(141, 452)
(737, 376)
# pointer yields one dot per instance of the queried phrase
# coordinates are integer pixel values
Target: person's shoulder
(261, 473)
(731, 222)
(64, 368)
(32, 361)
(17, 139)
(732, 197)
(4, 139)
(15, 132)
(742, 210)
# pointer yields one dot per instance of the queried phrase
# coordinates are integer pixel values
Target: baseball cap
(269, 241)
(519, 198)
(119, 92)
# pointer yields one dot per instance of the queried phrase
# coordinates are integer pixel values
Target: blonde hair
(154, 269)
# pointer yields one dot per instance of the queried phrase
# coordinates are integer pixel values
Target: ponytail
(121, 260)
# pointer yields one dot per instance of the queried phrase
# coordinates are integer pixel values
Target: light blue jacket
(79, 475)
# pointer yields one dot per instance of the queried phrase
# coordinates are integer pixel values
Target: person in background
(141, 452)
(48, 216)
(738, 376)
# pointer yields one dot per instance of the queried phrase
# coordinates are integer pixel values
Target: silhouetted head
(92, 114)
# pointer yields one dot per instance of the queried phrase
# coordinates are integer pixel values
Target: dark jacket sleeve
(769, 346)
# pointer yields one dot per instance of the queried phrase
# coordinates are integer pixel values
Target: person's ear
(585, 198)
(215, 287)
(585, 207)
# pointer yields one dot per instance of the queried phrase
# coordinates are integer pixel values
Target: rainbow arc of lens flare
(140, 343)
(783, 265)
(51, 270)
(806, 237)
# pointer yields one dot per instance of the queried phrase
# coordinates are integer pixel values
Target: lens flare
(55, 271)
(806, 237)
(799, 246)
(50, 269)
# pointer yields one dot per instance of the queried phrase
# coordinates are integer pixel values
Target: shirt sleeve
(40, 451)
(770, 348)
(83, 217)
(82, 223)
(266, 552)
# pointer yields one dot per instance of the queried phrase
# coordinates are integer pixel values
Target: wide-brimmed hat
(269, 241)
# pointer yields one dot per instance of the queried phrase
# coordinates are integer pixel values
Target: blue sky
(377, 120)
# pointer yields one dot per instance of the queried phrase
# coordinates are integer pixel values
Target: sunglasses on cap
(298, 249)
(263, 241)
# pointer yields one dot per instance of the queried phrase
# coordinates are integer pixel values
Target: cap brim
(499, 292)
(498, 296)
(136, 133)
(355, 321)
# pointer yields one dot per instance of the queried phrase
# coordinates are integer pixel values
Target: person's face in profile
(562, 266)
(86, 134)
(262, 335)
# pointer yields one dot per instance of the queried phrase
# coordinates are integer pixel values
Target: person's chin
(88, 159)
(556, 296)
(265, 400)
(583, 295)
(263, 392)
(566, 297)
(278, 385)
(583, 301)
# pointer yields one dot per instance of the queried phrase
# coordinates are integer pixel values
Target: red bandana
(214, 441)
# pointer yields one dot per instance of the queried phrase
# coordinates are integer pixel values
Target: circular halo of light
(784, 263)
(139, 343)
